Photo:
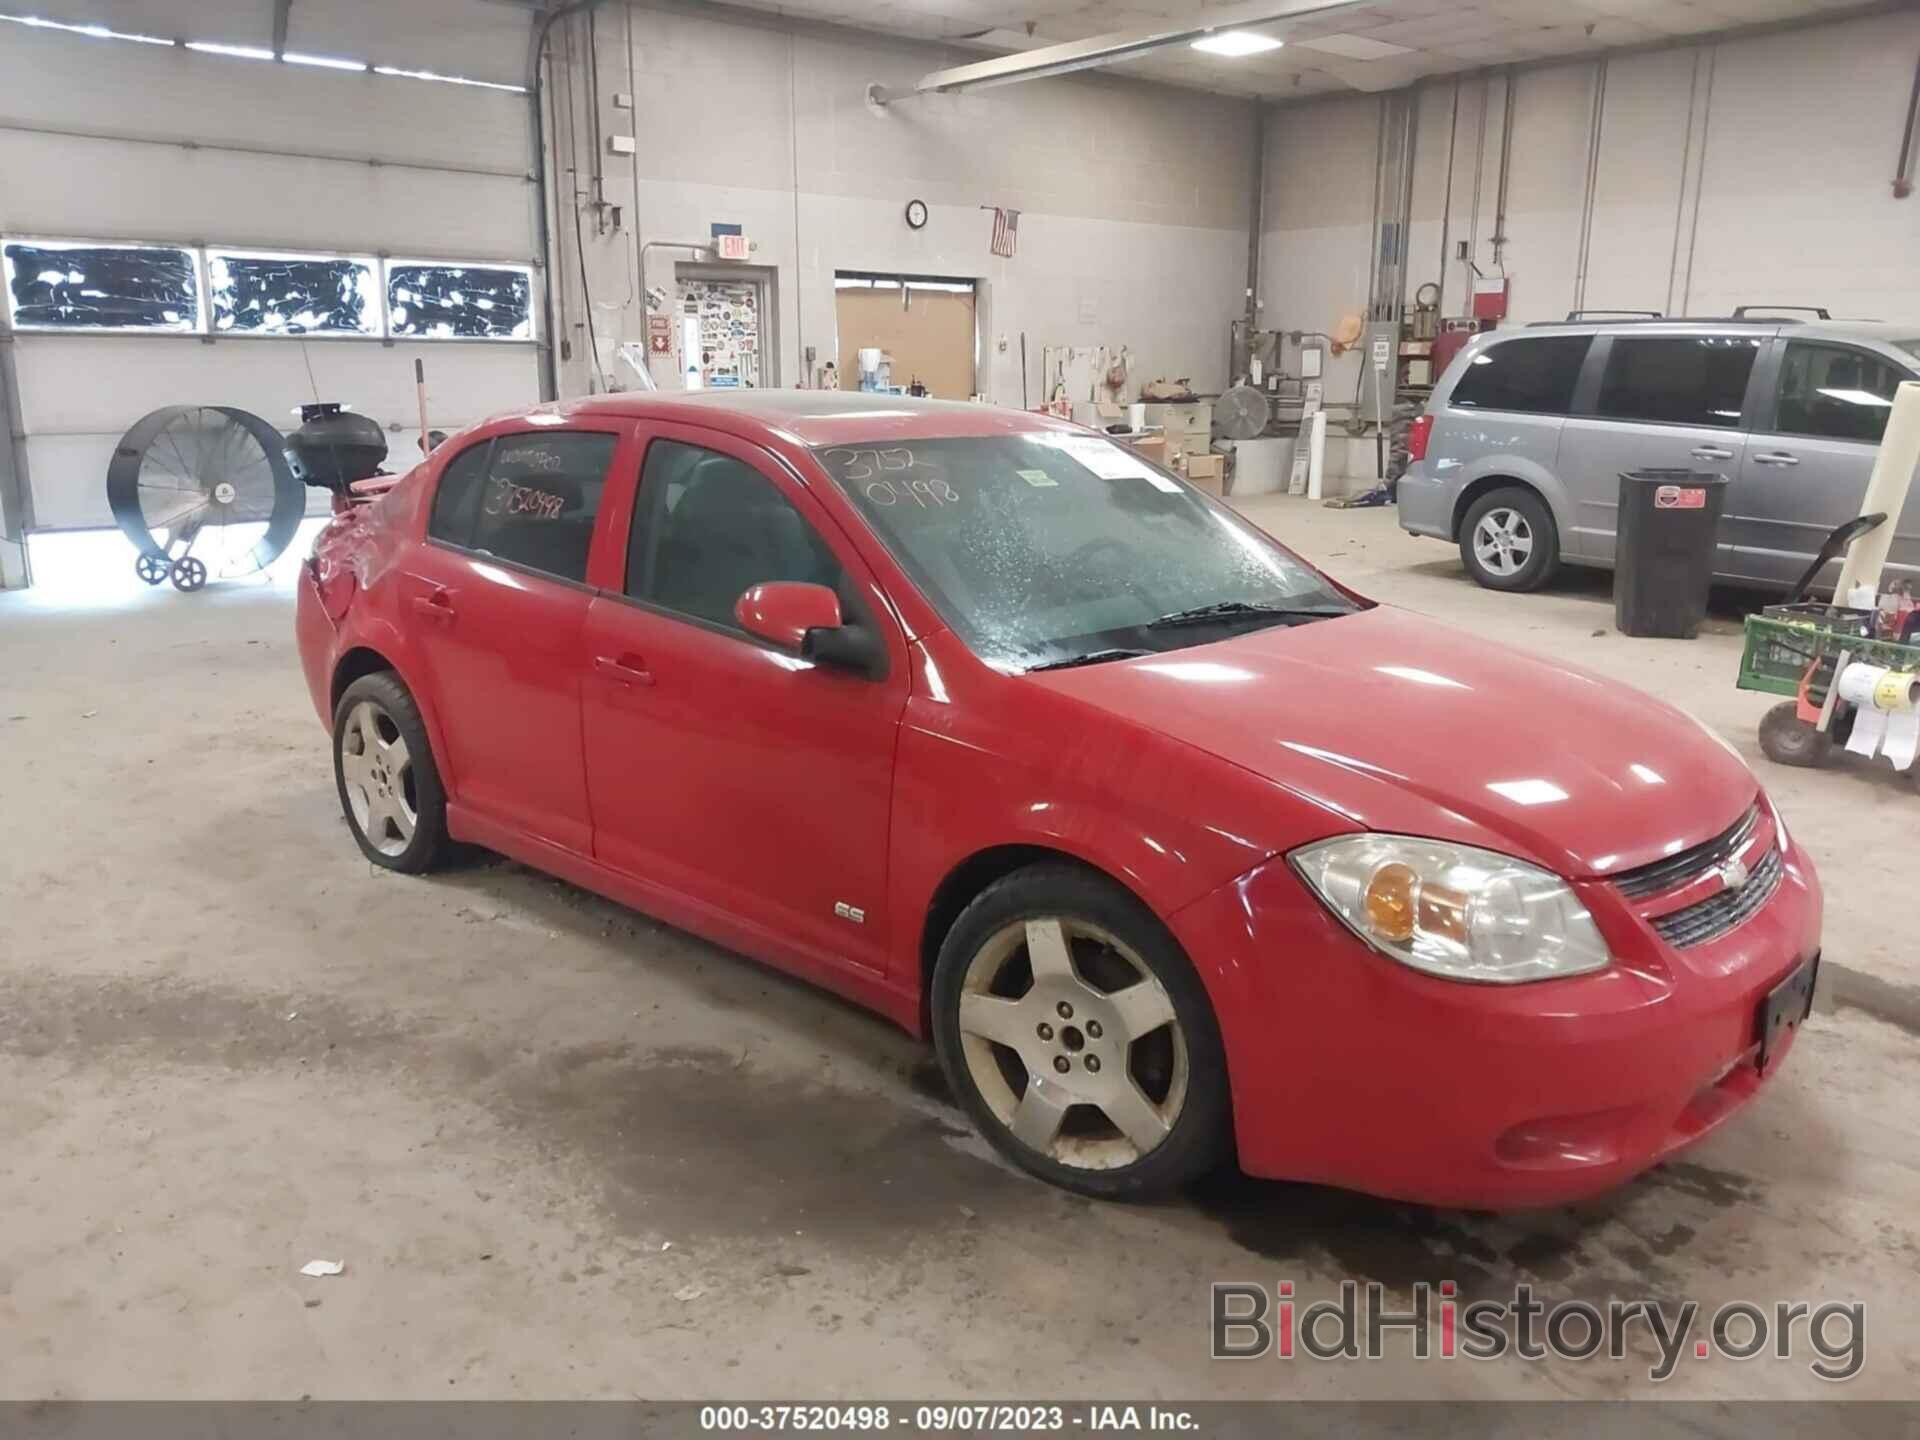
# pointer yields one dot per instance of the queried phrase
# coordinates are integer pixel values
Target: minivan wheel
(1074, 1030)
(383, 768)
(1508, 540)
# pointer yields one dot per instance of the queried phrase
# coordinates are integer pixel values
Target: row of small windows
(71, 285)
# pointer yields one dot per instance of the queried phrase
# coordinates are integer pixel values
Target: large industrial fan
(204, 492)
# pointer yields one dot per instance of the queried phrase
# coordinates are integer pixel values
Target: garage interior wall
(1133, 197)
(109, 140)
(1688, 180)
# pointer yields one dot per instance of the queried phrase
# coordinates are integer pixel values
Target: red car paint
(741, 793)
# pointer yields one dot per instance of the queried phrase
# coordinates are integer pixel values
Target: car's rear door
(1650, 401)
(1811, 454)
(723, 769)
(497, 599)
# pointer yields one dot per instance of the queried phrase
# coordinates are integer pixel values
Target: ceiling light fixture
(1217, 22)
(1235, 43)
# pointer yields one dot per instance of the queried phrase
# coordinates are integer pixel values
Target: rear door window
(1835, 393)
(540, 500)
(1535, 375)
(1678, 379)
(456, 499)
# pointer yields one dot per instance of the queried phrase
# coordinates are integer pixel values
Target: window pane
(456, 501)
(460, 302)
(59, 286)
(292, 295)
(716, 527)
(1841, 394)
(1535, 375)
(1684, 380)
(540, 500)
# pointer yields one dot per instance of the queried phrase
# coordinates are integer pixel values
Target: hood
(1394, 723)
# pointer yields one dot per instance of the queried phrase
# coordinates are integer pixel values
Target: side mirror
(806, 620)
(781, 612)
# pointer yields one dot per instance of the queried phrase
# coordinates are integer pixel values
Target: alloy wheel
(378, 771)
(1503, 542)
(1072, 1043)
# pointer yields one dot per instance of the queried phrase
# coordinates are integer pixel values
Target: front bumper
(1350, 1069)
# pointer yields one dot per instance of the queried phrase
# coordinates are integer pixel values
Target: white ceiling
(1436, 36)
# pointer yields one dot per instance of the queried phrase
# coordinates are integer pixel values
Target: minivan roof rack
(1587, 317)
(1574, 317)
(1819, 312)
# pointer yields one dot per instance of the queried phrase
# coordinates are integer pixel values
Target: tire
(1786, 739)
(1520, 549)
(1155, 1057)
(383, 768)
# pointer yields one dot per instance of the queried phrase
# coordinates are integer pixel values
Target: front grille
(1717, 914)
(1677, 870)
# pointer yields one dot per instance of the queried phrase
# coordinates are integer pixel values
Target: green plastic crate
(1788, 640)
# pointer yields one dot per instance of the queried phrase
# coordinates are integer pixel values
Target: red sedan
(1175, 846)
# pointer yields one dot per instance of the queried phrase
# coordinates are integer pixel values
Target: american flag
(1006, 232)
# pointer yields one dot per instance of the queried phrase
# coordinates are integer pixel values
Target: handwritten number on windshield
(925, 493)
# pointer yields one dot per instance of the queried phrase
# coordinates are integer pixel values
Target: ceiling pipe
(1101, 50)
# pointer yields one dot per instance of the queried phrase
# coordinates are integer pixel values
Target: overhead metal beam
(1101, 50)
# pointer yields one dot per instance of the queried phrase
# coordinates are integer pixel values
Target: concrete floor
(565, 1151)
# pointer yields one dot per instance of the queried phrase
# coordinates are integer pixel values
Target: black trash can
(1669, 524)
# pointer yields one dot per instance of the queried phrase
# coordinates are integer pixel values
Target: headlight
(1452, 910)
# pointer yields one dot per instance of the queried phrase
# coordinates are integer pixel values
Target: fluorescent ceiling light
(1237, 43)
(447, 79)
(95, 32)
(238, 52)
(326, 62)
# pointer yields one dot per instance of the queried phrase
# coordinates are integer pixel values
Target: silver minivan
(1519, 453)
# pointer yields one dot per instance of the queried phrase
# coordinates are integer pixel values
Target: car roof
(815, 417)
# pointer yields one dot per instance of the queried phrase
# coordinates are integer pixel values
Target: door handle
(1711, 452)
(627, 670)
(1776, 457)
(437, 606)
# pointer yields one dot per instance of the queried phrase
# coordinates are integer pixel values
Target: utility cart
(1796, 650)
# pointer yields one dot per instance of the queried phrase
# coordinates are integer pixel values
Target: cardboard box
(1150, 447)
(1208, 473)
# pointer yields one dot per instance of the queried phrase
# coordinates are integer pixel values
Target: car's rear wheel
(1078, 1036)
(383, 766)
(1508, 540)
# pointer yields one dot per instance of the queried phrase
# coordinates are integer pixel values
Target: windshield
(1055, 547)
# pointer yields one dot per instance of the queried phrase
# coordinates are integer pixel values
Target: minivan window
(1678, 379)
(1834, 392)
(1535, 376)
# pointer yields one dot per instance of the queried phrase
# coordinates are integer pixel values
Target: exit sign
(731, 247)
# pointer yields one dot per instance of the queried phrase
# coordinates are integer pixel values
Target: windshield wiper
(1092, 657)
(1242, 610)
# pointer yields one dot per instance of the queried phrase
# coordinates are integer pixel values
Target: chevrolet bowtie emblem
(1734, 874)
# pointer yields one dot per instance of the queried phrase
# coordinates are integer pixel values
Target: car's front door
(1810, 457)
(734, 773)
(1662, 402)
(497, 601)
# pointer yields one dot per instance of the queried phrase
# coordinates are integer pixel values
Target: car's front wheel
(1508, 540)
(1076, 1033)
(383, 767)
